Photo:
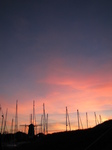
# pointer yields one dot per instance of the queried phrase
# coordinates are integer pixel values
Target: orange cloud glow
(60, 87)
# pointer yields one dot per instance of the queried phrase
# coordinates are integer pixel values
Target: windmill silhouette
(32, 124)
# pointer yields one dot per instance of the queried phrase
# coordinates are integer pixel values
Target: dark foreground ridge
(99, 137)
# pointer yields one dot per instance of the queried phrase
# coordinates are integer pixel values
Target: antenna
(34, 112)
(100, 118)
(2, 123)
(44, 121)
(30, 118)
(35, 127)
(47, 124)
(87, 119)
(44, 117)
(81, 122)
(5, 120)
(41, 122)
(12, 126)
(67, 120)
(96, 120)
(78, 119)
(16, 117)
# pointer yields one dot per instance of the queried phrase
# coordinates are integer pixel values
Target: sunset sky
(57, 52)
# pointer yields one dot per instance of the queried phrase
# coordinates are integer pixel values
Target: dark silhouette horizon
(98, 137)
